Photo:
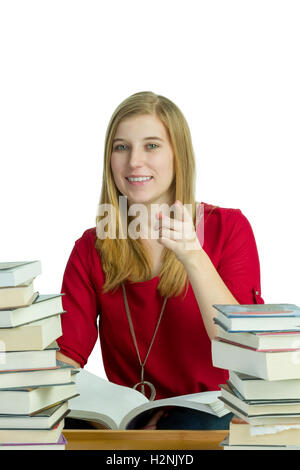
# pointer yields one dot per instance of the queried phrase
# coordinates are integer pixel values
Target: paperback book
(114, 406)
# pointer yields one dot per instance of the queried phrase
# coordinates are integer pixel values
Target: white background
(231, 66)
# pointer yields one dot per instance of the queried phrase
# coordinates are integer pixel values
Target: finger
(170, 234)
(236, 420)
(188, 229)
(187, 212)
(173, 224)
(178, 210)
(185, 233)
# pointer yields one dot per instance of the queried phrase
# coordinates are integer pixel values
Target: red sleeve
(79, 323)
(239, 263)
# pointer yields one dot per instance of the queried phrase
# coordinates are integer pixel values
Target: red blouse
(180, 359)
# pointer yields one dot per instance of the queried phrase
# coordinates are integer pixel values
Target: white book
(271, 420)
(31, 337)
(30, 400)
(226, 446)
(261, 317)
(43, 436)
(245, 434)
(260, 408)
(59, 445)
(118, 407)
(280, 365)
(263, 341)
(44, 419)
(43, 306)
(18, 296)
(61, 374)
(254, 388)
(18, 272)
(18, 360)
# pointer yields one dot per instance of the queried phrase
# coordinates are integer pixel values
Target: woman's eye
(156, 146)
(121, 147)
(117, 147)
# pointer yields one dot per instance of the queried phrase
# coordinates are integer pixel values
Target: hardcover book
(59, 445)
(262, 317)
(18, 272)
(42, 307)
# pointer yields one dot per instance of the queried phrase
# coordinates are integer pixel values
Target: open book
(117, 407)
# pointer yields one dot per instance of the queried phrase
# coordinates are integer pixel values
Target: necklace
(142, 364)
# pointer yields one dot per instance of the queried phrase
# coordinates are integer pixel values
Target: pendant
(150, 385)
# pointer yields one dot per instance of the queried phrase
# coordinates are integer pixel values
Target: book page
(207, 402)
(100, 398)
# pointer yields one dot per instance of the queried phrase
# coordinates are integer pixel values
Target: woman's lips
(138, 183)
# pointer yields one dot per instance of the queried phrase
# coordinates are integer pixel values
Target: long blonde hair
(127, 258)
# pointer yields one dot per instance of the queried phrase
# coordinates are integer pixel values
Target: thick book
(18, 272)
(59, 445)
(260, 407)
(263, 420)
(18, 360)
(27, 401)
(42, 307)
(261, 317)
(259, 419)
(34, 336)
(242, 434)
(254, 388)
(18, 296)
(62, 373)
(226, 446)
(118, 407)
(278, 365)
(263, 341)
(44, 419)
(43, 436)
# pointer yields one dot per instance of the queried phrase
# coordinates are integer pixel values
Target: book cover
(259, 310)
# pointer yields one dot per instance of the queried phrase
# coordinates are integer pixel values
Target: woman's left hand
(178, 234)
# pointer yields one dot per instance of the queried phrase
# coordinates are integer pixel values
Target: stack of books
(260, 347)
(34, 386)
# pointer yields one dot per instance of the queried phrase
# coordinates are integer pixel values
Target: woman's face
(141, 147)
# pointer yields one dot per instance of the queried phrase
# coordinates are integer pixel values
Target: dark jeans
(185, 418)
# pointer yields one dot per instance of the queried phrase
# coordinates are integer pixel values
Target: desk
(142, 440)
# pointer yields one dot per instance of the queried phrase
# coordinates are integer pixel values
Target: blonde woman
(153, 285)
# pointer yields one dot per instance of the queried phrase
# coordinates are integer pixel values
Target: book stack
(34, 386)
(260, 347)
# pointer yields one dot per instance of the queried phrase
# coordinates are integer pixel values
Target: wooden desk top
(142, 440)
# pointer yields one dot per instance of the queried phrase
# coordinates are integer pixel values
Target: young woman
(154, 293)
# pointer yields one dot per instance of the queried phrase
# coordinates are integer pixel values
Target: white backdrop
(231, 66)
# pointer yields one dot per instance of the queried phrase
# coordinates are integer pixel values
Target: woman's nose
(136, 157)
